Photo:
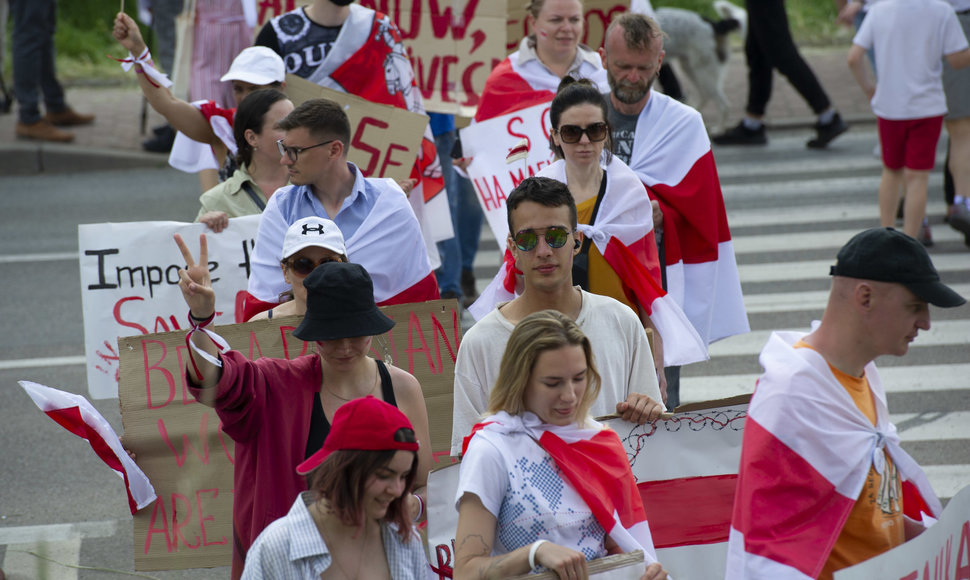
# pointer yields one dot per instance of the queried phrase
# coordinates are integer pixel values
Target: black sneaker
(827, 132)
(742, 135)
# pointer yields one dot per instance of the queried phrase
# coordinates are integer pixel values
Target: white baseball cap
(313, 231)
(257, 65)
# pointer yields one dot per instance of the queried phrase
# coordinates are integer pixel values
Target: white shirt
(910, 37)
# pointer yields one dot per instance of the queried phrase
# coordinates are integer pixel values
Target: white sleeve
(470, 393)
(265, 276)
(863, 37)
(643, 372)
(954, 40)
(483, 472)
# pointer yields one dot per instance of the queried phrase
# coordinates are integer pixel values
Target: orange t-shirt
(875, 523)
(603, 280)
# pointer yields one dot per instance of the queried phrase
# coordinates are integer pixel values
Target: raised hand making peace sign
(194, 280)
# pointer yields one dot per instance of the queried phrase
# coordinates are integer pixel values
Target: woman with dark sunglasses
(613, 210)
(308, 243)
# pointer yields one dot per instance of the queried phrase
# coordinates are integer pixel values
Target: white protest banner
(384, 140)
(129, 284)
(489, 142)
(942, 552)
(181, 447)
(452, 45)
(686, 467)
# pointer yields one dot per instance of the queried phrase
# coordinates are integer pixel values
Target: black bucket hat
(340, 304)
(888, 255)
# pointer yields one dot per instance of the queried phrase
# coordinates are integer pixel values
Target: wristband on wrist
(421, 510)
(200, 324)
(532, 552)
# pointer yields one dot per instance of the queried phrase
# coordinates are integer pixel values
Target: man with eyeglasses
(666, 145)
(379, 227)
(543, 240)
(344, 46)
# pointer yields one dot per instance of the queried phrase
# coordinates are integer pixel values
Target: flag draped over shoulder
(77, 415)
(672, 157)
(593, 461)
(396, 280)
(521, 81)
(806, 454)
(370, 44)
(623, 233)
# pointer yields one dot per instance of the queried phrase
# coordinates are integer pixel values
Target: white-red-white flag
(672, 156)
(77, 415)
(804, 429)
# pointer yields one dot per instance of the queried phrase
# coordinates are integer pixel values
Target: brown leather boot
(43, 131)
(69, 117)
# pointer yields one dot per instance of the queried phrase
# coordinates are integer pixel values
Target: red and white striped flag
(623, 233)
(77, 415)
(804, 430)
(672, 157)
(517, 83)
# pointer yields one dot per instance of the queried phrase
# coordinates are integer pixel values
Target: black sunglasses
(527, 240)
(573, 133)
(303, 266)
(294, 152)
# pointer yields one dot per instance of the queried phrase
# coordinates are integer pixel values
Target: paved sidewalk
(115, 137)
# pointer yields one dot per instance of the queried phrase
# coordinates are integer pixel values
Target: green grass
(84, 34)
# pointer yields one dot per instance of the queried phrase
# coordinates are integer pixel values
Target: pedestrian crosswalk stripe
(904, 379)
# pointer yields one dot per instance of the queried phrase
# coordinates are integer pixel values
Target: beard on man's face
(628, 92)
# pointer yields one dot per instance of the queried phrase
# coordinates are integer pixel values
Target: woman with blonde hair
(541, 483)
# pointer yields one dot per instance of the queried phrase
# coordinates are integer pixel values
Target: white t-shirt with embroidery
(521, 485)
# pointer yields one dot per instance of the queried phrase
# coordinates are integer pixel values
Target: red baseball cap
(365, 424)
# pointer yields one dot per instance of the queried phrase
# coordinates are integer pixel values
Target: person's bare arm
(847, 11)
(180, 114)
(410, 399)
(197, 290)
(959, 59)
(860, 70)
(473, 548)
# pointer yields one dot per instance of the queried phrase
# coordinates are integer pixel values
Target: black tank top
(320, 426)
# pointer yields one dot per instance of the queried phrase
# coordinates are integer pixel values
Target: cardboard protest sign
(489, 142)
(453, 46)
(688, 501)
(181, 447)
(597, 15)
(129, 284)
(942, 551)
(384, 140)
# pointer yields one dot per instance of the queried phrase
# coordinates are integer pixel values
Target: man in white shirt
(543, 240)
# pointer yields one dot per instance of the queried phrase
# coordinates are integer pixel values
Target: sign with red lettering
(453, 46)
(384, 140)
(489, 142)
(688, 501)
(180, 445)
(942, 551)
(129, 284)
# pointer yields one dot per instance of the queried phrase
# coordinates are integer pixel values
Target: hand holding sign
(194, 280)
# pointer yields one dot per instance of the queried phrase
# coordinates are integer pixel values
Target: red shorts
(909, 143)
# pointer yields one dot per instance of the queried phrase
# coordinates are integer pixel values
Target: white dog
(701, 47)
